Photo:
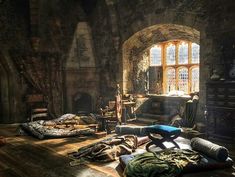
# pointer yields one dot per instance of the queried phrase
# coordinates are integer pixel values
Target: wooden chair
(38, 107)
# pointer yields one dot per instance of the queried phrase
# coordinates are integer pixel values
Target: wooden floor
(25, 156)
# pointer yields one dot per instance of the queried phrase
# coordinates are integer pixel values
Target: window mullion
(189, 79)
(176, 66)
(176, 53)
(176, 78)
(164, 67)
(189, 69)
(190, 53)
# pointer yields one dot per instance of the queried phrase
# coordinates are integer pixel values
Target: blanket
(166, 163)
(206, 163)
(64, 126)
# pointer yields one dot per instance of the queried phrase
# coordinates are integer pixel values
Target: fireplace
(82, 102)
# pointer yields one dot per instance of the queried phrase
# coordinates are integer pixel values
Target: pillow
(210, 149)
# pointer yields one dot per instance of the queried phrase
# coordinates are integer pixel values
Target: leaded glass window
(195, 80)
(183, 53)
(195, 53)
(170, 54)
(179, 62)
(170, 76)
(183, 79)
(156, 56)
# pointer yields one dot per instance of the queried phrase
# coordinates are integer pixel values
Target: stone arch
(139, 43)
(137, 15)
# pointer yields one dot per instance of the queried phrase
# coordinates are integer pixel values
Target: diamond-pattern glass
(170, 79)
(183, 80)
(183, 53)
(195, 80)
(195, 53)
(156, 56)
(170, 54)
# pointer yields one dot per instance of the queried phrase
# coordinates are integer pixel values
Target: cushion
(164, 130)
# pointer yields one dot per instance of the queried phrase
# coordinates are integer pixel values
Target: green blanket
(166, 163)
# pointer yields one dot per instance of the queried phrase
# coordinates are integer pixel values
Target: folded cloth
(210, 149)
(107, 150)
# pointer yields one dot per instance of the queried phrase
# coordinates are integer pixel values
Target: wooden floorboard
(26, 156)
(8, 173)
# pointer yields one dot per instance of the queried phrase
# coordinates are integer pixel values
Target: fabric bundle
(106, 150)
(166, 163)
(210, 149)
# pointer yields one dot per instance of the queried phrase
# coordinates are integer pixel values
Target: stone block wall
(14, 30)
(211, 23)
(116, 44)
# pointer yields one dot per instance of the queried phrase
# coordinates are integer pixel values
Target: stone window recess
(179, 63)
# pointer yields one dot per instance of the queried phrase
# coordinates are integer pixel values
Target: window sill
(169, 96)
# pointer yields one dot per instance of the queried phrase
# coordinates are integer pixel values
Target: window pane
(170, 54)
(156, 56)
(195, 53)
(195, 80)
(183, 80)
(170, 79)
(183, 53)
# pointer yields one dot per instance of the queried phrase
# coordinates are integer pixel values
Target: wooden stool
(168, 133)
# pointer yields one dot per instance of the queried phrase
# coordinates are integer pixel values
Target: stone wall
(106, 46)
(38, 35)
(81, 73)
(14, 30)
(211, 19)
(113, 24)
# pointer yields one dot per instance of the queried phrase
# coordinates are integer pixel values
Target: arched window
(179, 63)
